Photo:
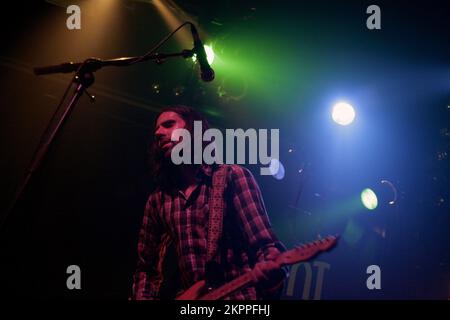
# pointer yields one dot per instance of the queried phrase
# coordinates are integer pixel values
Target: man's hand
(264, 271)
(270, 275)
(268, 269)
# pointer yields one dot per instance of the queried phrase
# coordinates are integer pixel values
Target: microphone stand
(84, 78)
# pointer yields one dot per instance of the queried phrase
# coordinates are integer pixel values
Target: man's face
(167, 122)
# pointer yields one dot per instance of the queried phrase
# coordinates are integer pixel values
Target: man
(177, 213)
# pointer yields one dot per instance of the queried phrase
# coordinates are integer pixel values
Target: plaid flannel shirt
(246, 237)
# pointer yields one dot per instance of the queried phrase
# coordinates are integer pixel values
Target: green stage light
(369, 199)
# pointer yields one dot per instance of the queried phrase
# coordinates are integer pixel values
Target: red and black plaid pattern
(247, 233)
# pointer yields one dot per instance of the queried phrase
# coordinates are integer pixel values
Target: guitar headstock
(306, 251)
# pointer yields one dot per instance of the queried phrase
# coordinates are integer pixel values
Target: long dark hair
(161, 168)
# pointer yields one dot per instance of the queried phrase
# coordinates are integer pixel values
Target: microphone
(206, 72)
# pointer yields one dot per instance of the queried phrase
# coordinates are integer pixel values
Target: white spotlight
(343, 113)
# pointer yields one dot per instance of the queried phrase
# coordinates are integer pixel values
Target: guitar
(300, 253)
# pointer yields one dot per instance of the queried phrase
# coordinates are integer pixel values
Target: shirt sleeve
(249, 204)
(152, 245)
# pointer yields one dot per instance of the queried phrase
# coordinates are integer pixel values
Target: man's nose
(159, 134)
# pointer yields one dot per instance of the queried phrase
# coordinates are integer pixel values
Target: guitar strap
(216, 211)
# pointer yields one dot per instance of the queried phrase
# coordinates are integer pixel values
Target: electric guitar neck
(298, 254)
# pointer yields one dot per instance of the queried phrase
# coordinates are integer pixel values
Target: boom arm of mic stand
(93, 64)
